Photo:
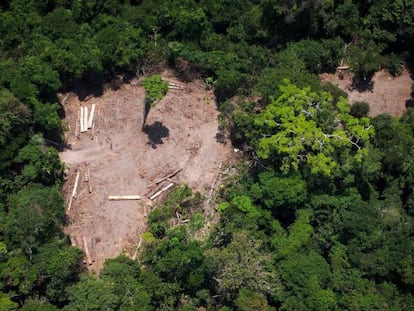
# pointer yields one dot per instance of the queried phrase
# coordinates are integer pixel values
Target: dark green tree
(35, 215)
(58, 265)
(125, 274)
(91, 293)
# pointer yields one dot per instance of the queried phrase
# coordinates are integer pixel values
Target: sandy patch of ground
(386, 94)
(123, 160)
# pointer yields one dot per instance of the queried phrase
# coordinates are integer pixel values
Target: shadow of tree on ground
(363, 83)
(156, 132)
(147, 109)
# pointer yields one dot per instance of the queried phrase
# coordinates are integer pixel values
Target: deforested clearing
(120, 157)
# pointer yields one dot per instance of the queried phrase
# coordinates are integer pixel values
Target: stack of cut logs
(162, 185)
(87, 179)
(155, 190)
(86, 119)
(175, 86)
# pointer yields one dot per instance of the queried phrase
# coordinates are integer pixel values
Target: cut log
(168, 176)
(75, 188)
(90, 120)
(124, 197)
(81, 120)
(87, 252)
(64, 100)
(85, 120)
(161, 191)
(173, 87)
(87, 98)
(152, 189)
(175, 84)
(136, 250)
(180, 220)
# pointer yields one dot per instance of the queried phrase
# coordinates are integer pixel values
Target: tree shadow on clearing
(156, 132)
(363, 83)
(147, 109)
(87, 86)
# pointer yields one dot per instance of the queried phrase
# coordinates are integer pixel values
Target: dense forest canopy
(322, 218)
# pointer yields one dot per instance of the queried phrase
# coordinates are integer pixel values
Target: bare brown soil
(180, 132)
(385, 93)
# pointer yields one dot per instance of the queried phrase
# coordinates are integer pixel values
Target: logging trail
(114, 157)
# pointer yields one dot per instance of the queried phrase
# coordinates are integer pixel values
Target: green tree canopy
(155, 87)
(304, 127)
(35, 215)
(12, 114)
(92, 294)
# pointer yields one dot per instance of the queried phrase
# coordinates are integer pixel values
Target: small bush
(155, 87)
(360, 109)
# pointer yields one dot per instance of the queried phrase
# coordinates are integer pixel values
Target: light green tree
(304, 127)
(155, 88)
(6, 304)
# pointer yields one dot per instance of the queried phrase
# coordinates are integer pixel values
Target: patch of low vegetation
(155, 88)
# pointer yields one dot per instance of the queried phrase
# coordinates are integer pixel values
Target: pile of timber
(175, 86)
(342, 66)
(74, 190)
(87, 178)
(161, 191)
(86, 118)
(162, 185)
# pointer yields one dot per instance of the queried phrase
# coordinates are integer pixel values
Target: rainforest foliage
(322, 218)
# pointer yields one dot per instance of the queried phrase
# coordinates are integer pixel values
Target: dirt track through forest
(121, 159)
